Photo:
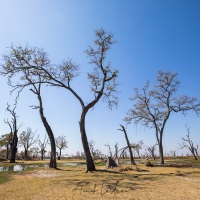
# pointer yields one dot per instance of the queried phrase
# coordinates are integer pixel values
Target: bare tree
(5, 140)
(103, 77)
(152, 108)
(23, 61)
(35, 151)
(151, 150)
(172, 153)
(92, 150)
(116, 151)
(42, 145)
(13, 131)
(109, 150)
(188, 143)
(138, 147)
(27, 139)
(61, 143)
(128, 144)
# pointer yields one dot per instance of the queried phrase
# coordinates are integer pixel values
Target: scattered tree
(116, 151)
(34, 152)
(5, 140)
(128, 144)
(109, 150)
(152, 150)
(27, 139)
(42, 145)
(172, 153)
(27, 62)
(61, 143)
(103, 77)
(188, 143)
(152, 108)
(138, 147)
(13, 131)
(92, 150)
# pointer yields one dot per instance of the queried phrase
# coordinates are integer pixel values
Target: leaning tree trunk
(128, 144)
(89, 161)
(193, 153)
(13, 149)
(52, 163)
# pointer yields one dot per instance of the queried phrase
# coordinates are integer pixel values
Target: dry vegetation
(124, 182)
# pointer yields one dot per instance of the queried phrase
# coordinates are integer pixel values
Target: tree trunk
(153, 156)
(193, 153)
(161, 152)
(128, 144)
(13, 149)
(52, 163)
(7, 151)
(89, 161)
(42, 154)
(59, 157)
(25, 153)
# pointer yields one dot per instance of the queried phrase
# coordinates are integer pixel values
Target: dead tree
(42, 145)
(109, 150)
(13, 131)
(27, 139)
(61, 143)
(6, 140)
(151, 150)
(128, 144)
(188, 143)
(138, 147)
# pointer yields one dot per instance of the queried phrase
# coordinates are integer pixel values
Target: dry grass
(125, 182)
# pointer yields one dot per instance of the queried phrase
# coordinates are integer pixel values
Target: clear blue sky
(152, 35)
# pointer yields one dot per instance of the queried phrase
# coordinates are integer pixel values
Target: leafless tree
(61, 143)
(91, 146)
(27, 139)
(96, 153)
(6, 140)
(35, 151)
(188, 143)
(152, 108)
(42, 145)
(13, 131)
(26, 63)
(103, 78)
(172, 153)
(152, 150)
(138, 147)
(128, 144)
(109, 150)
(116, 151)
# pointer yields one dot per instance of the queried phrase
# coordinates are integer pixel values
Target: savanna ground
(124, 182)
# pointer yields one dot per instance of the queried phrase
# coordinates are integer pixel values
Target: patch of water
(18, 167)
(128, 162)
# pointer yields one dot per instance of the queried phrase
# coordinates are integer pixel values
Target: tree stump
(110, 163)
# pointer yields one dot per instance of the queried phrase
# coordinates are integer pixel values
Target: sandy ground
(118, 183)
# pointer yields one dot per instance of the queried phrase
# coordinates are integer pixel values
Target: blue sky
(152, 35)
